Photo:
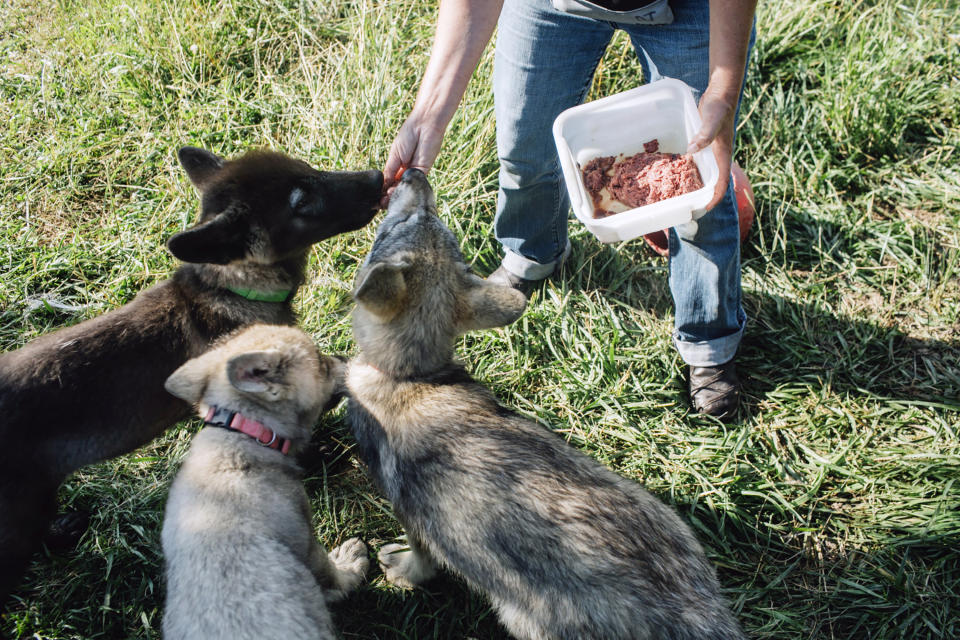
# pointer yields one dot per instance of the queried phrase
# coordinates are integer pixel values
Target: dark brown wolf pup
(95, 390)
(564, 548)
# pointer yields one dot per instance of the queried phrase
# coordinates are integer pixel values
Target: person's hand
(417, 145)
(717, 113)
(464, 27)
(731, 23)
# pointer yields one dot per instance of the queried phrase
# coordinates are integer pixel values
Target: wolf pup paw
(66, 530)
(404, 567)
(352, 563)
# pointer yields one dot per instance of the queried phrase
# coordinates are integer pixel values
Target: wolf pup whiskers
(562, 547)
(241, 557)
(95, 390)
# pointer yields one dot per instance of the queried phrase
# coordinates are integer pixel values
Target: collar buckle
(234, 421)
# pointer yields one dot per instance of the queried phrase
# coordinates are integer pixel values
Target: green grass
(831, 508)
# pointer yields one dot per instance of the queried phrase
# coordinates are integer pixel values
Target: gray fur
(241, 557)
(563, 548)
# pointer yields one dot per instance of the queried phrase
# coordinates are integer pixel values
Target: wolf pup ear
(189, 382)
(199, 164)
(219, 241)
(257, 372)
(383, 289)
(492, 305)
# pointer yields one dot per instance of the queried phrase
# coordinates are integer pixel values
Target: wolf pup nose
(562, 547)
(415, 175)
(242, 561)
(411, 195)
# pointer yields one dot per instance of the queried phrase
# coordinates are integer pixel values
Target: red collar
(266, 436)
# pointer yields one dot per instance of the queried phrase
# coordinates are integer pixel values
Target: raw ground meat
(595, 174)
(640, 179)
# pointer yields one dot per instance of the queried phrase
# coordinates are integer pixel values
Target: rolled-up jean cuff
(709, 353)
(528, 269)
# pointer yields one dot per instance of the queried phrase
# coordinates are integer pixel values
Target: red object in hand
(388, 186)
(745, 210)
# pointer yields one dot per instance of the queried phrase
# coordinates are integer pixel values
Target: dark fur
(564, 548)
(95, 390)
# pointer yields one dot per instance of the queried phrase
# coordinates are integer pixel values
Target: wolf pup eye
(296, 195)
(304, 204)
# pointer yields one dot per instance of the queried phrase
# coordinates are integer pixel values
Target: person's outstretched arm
(464, 27)
(731, 22)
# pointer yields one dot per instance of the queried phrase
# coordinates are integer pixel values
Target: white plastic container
(620, 124)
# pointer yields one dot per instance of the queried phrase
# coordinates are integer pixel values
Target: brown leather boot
(507, 279)
(715, 391)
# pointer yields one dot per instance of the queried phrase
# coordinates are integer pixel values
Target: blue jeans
(545, 61)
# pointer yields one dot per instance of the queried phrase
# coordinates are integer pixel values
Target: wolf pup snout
(414, 175)
(412, 195)
(242, 561)
(563, 547)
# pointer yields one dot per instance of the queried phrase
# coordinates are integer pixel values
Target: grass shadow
(817, 577)
(441, 609)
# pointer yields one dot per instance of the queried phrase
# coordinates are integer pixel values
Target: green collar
(279, 295)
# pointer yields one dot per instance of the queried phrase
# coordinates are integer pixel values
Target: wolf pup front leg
(407, 565)
(342, 570)
(563, 547)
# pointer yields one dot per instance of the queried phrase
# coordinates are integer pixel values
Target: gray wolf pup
(562, 547)
(95, 390)
(241, 557)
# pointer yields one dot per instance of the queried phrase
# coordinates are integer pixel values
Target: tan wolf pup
(563, 548)
(242, 561)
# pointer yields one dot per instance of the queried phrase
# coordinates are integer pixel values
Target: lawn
(831, 506)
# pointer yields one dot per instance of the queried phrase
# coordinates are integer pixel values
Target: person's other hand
(417, 145)
(717, 113)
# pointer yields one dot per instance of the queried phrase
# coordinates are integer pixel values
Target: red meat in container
(616, 185)
(638, 180)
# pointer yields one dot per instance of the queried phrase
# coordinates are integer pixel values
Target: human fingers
(716, 117)
(716, 131)
(401, 155)
(724, 159)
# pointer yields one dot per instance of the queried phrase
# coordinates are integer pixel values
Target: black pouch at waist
(625, 11)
